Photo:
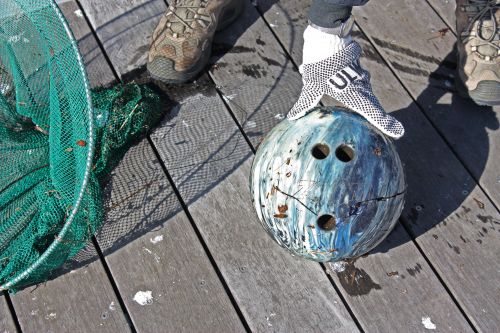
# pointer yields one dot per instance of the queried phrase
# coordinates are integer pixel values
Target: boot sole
(487, 93)
(163, 69)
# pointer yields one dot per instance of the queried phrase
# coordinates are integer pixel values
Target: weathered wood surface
(7, 324)
(153, 253)
(437, 201)
(393, 289)
(463, 243)
(153, 248)
(257, 80)
(82, 299)
(209, 161)
(432, 209)
(446, 10)
(367, 291)
(124, 27)
(98, 71)
(426, 63)
(199, 157)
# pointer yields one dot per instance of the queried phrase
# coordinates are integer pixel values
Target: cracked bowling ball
(328, 186)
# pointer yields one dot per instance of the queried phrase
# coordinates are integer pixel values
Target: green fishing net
(58, 141)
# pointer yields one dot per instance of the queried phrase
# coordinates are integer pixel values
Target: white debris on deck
(426, 321)
(144, 297)
(338, 266)
(156, 239)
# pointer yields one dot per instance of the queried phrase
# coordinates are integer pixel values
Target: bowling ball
(328, 186)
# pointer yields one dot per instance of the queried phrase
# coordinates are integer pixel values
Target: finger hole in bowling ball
(327, 222)
(320, 151)
(344, 153)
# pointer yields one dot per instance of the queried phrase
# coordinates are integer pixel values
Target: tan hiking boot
(478, 24)
(182, 41)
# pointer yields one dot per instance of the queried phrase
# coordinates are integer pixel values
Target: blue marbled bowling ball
(328, 186)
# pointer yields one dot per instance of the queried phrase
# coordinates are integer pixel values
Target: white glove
(341, 77)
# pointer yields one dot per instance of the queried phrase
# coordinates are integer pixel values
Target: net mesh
(58, 141)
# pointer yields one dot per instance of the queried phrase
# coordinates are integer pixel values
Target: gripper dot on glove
(342, 77)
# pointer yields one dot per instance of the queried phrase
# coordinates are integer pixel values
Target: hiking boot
(478, 23)
(182, 41)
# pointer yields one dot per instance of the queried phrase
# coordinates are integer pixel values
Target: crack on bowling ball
(355, 208)
(355, 281)
(276, 188)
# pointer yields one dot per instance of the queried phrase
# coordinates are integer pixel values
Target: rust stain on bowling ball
(282, 208)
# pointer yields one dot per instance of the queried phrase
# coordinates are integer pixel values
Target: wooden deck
(181, 249)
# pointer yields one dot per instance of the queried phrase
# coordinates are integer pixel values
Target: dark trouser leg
(331, 13)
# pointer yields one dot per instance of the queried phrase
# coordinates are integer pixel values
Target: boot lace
(480, 11)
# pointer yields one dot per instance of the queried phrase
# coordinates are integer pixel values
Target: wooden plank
(445, 9)
(405, 299)
(117, 21)
(150, 246)
(209, 161)
(198, 161)
(81, 297)
(393, 289)
(7, 324)
(472, 131)
(98, 71)
(259, 82)
(447, 196)
(153, 253)
(463, 244)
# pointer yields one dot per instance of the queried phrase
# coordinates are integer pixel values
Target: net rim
(90, 155)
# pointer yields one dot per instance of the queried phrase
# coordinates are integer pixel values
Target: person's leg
(331, 66)
(478, 26)
(331, 13)
(329, 28)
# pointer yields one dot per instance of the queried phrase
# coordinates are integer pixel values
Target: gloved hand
(341, 77)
